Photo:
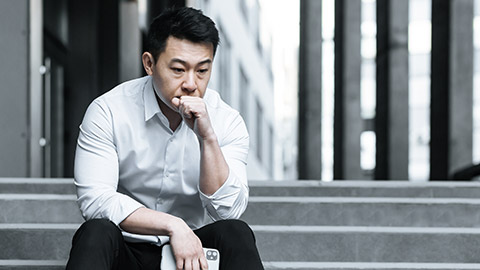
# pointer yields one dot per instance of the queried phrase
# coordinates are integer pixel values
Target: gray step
(368, 244)
(440, 189)
(37, 185)
(32, 264)
(353, 211)
(285, 243)
(356, 211)
(36, 241)
(39, 208)
(369, 266)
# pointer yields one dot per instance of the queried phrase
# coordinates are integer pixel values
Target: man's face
(183, 69)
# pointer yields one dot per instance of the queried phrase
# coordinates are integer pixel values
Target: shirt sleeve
(231, 199)
(96, 169)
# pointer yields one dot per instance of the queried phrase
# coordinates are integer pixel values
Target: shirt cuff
(225, 196)
(124, 209)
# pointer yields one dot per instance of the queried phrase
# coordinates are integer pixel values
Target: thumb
(176, 102)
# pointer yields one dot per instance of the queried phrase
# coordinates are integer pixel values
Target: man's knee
(236, 232)
(98, 232)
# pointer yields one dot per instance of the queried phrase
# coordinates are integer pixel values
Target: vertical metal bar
(47, 119)
(35, 93)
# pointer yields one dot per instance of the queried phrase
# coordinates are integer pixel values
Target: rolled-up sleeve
(96, 169)
(231, 199)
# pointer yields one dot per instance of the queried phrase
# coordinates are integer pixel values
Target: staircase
(299, 225)
(351, 225)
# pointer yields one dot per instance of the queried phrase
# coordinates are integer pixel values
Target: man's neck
(174, 118)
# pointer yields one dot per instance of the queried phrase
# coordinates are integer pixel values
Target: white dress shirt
(127, 157)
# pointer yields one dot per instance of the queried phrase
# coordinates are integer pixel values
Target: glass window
(419, 47)
(224, 68)
(244, 93)
(259, 132)
(476, 82)
(368, 85)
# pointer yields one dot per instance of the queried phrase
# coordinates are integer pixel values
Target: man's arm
(186, 245)
(96, 168)
(223, 180)
(213, 167)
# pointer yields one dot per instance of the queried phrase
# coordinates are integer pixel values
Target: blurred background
(329, 90)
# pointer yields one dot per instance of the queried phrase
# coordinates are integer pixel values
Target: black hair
(182, 23)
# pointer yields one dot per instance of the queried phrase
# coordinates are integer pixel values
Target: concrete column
(451, 87)
(348, 123)
(14, 89)
(310, 85)
(130, 50)
(391, 120)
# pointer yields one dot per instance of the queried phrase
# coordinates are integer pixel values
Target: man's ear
(148, 62)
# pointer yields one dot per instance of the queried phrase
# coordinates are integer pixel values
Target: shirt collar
(150, 101)
(151, 105)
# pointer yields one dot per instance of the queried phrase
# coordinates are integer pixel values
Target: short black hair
(183, 23)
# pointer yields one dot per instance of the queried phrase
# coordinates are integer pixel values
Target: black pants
(99, 244)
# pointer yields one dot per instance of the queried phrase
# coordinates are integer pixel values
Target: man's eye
(177, 70)
(202, 71)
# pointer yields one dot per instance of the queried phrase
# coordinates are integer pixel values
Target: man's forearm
(187, 247)
(213, 167)
(150, 222)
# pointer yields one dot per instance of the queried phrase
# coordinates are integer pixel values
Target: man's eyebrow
(206, 61)
(183, 62)
(177, 60)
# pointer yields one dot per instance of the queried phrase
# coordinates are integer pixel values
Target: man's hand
(194, 112)
(187, 248)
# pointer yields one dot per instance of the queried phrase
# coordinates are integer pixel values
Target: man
(160, 157)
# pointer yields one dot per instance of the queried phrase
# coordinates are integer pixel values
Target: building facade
(60, 55)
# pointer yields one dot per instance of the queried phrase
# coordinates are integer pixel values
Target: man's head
(181, 47)
(182, 23)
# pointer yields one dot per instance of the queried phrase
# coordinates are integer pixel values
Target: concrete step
(37, 185)
(354, 211)
(36, 241)
(357, 211)
(441, 189)
(368, 244)
(286, 243)
(365, 266)
(330, 211)
(402, 189)
(39, 208)
(32, 264)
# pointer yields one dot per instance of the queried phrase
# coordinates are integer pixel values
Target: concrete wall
(14, 78)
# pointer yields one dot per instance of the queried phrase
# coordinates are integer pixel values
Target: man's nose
(189, 84)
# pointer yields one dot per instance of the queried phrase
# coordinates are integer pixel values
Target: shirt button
(171, 140)
(166, 174)
(159, 201)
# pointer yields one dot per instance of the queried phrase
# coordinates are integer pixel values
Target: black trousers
(99, 244)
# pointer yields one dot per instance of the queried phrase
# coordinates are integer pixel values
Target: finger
(186, 110)
(203, 262)
(180, 264)
(188, 265)
(195, 265)
(176, 102)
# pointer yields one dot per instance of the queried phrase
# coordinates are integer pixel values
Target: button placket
(166, 173)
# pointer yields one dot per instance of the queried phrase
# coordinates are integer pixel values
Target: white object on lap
(168, 260)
